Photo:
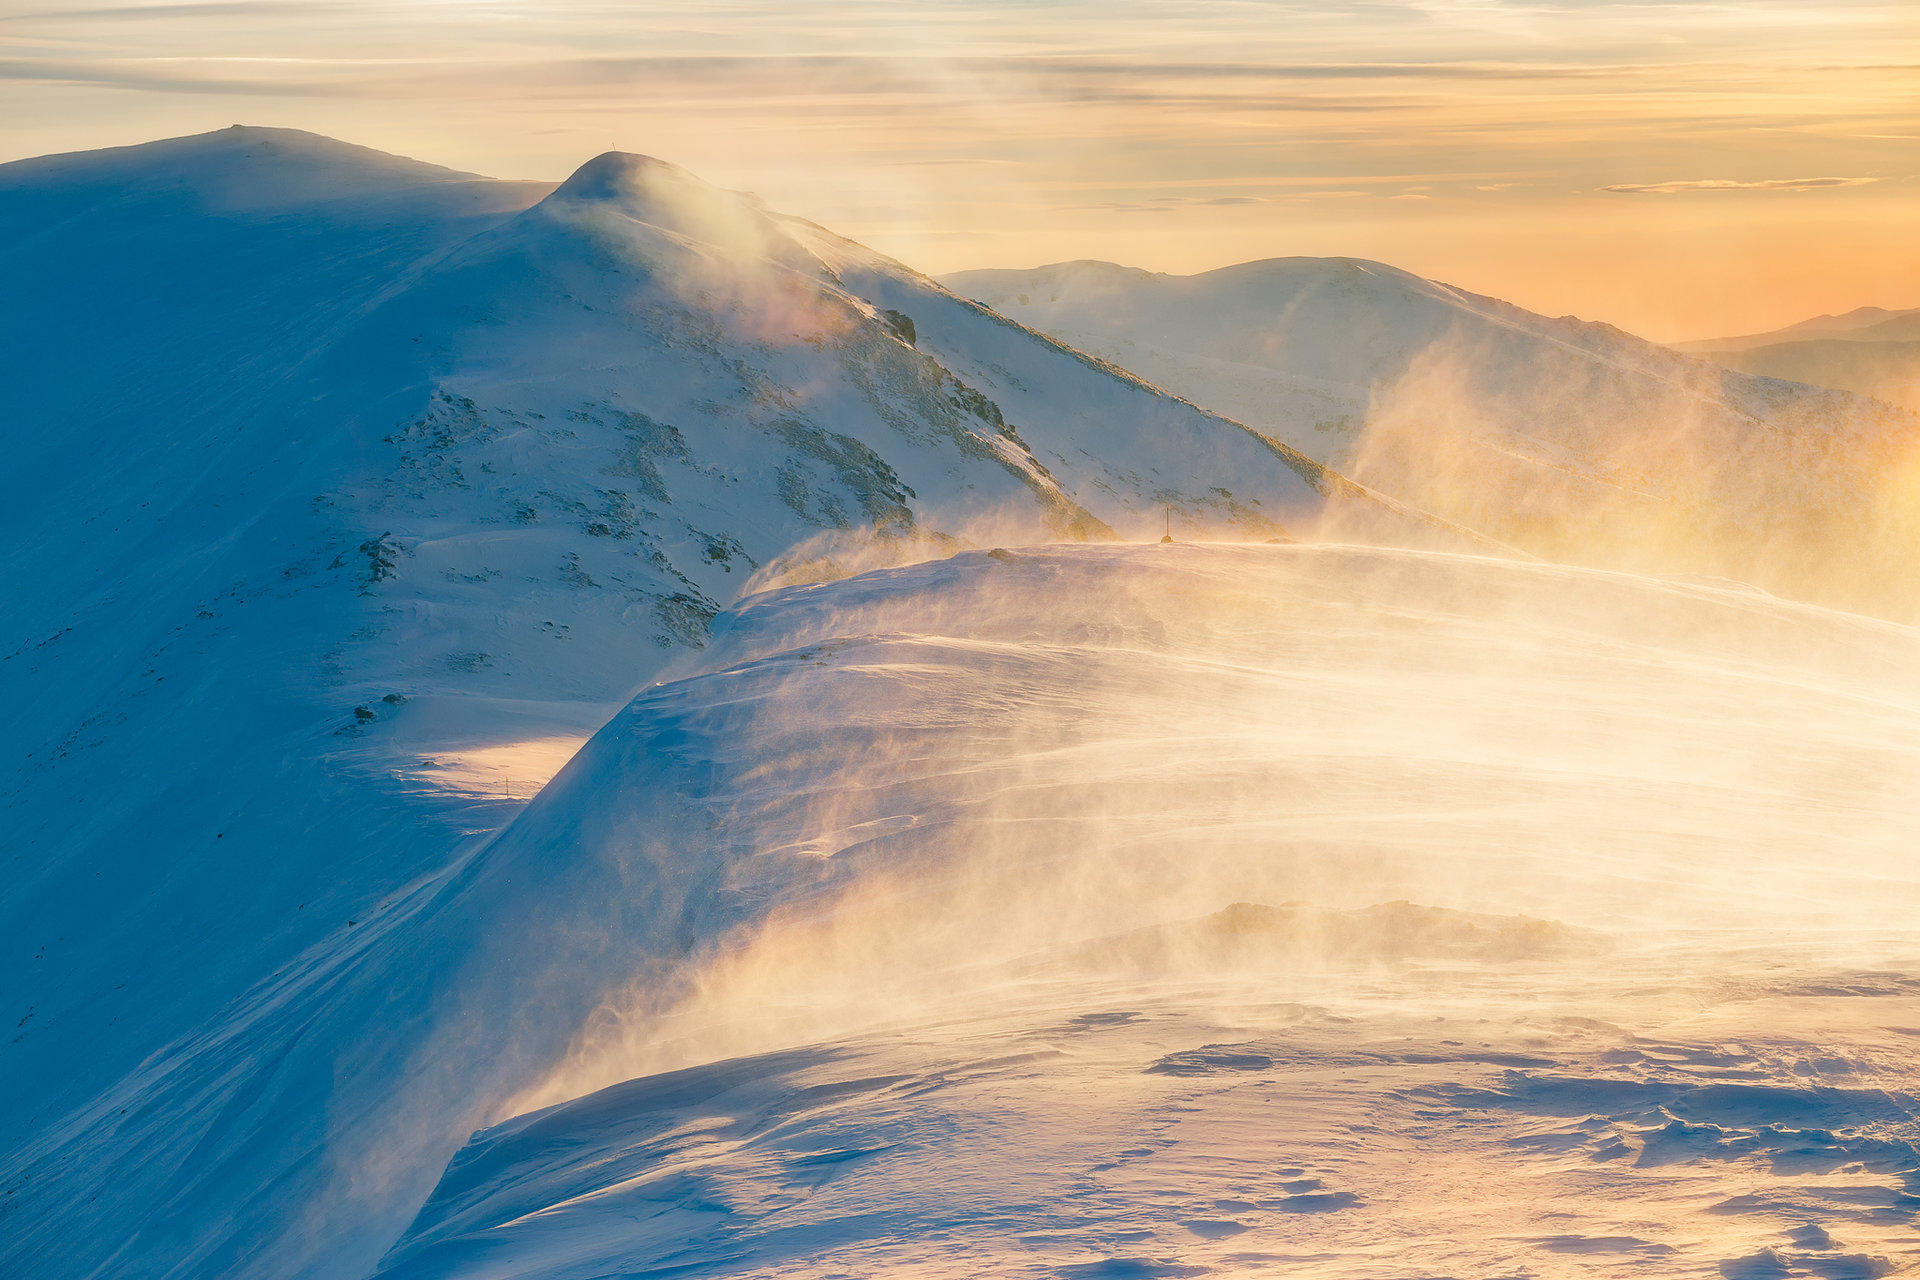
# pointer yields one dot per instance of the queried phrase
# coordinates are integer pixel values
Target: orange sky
(1681, 169)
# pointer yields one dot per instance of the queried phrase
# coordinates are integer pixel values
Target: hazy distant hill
(1862, 324)
(1873, 351)
(1571, 439)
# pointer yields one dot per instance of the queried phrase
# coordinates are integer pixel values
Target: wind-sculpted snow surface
(938, 901)
(962, 869)
(1571, 439)
(959, 897)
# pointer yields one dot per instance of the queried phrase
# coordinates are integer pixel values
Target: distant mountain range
(1571, 439)
(1870, 350)
(1862, 324)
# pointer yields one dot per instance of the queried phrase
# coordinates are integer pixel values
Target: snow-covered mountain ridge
(1574, 440)
(962, 988)
(346, 495)
(934, 892)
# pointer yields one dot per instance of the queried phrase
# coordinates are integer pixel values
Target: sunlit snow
(608, 732)
(1159, 910)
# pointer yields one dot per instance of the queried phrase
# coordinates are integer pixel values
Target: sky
(1683, 169)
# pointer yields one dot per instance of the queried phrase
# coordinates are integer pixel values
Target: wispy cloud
(278, 79)
(1728, 184)
(959, 134)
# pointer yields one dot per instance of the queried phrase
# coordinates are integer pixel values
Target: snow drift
(902, 824)
(936, 901)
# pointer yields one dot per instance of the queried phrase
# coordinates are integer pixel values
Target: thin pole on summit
(1168, 536)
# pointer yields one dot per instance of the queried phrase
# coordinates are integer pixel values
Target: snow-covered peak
(627, 178)
(1338, 327)
(242, 168)
(1862, 324)
(1081, 273)
(622, 188)
(345, 496)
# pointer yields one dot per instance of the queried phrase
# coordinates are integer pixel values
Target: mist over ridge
(1572, 440)
(375, 490)
(562, 730)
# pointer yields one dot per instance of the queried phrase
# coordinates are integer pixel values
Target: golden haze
(1682, 172)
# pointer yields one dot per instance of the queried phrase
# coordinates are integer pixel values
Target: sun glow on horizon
(1681, 171)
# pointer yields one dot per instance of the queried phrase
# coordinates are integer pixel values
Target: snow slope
(345, 495)
(1574, 440)
(1298, 1131)
(964, 906)
(977, 985)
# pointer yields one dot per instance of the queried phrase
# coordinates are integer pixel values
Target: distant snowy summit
(1571, 439)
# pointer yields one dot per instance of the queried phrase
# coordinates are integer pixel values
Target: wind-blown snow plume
(1176, 730)
(1573, 441)
(924, 807)
(1813, 496)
